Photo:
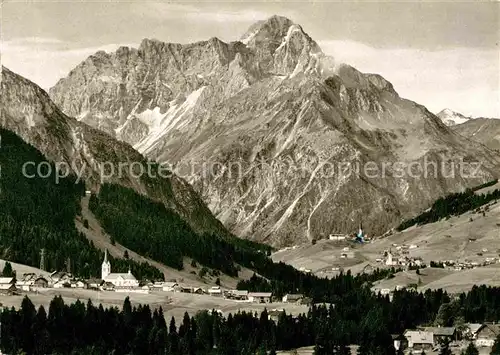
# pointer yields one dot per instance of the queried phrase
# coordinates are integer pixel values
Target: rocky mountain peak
(281, 47)
(273, 30)
(272, 96)
(451, 118)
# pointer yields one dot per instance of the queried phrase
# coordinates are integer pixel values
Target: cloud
(228, 16)
(463, 79)
(201, 13)
(37, 41)
(45, 60)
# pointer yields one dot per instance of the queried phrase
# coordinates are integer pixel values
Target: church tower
(360, 231)
(106, 266)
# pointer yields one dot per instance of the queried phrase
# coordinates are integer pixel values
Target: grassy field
(23, 269)
(173, 303)
(458, 238)
(310, 350)
(187, 276)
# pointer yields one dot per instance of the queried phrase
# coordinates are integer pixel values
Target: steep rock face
(120, 88)
(276, 136)
(28, 111)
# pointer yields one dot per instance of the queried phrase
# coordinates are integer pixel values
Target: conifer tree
(471, 349)
(445, 349)
(7, 270)
(173, 338)
(495, 350)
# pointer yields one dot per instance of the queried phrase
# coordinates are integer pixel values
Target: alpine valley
(271, 154)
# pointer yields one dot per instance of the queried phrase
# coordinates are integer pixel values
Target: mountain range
(451, 118)
(483, 130)
(256, 130)
(258, 126)
(480, 129)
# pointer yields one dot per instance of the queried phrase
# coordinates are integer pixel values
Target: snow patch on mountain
(291, 30)
(248, 37)
(451, 118)
(151, 118)
(174, 118)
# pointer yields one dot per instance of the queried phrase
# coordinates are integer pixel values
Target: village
(128, 283)
(430, 338)
(399, 257)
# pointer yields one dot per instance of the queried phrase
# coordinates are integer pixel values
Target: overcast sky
(440, 54)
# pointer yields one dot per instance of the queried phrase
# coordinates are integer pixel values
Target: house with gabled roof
(7, 285)
(94, 283)
(486, 335)
(241, 295)
(60, 276)
(170, 286)
(215, 291)
(419, 339)
(292, 298)
(26, 281)
(471, 330)
(442, 333)
(41, 282)
(260, 297)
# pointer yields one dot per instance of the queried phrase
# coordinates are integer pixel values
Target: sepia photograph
(249, 177)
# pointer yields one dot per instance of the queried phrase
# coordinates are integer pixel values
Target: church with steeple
(117, 279)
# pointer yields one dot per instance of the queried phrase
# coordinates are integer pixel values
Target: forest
(38, 213)
(453, 205)
(153, 230)
(358, 317)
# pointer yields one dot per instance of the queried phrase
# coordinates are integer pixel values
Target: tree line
(359, 317)
(39, 213)
(155, 231)
(453, 205)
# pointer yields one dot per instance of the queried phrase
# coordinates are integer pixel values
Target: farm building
(260, 297)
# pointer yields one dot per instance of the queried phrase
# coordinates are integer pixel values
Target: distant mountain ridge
(274, 107)
(451, 118)
(482, 130)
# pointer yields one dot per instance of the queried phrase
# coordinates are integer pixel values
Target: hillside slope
(469, 237)
(273, 134)
(39, 212)
(483, 130)
(93, 155)
(101, 240)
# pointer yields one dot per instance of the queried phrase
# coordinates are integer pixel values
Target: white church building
(117, 279)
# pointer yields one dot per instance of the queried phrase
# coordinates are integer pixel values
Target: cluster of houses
(400, 257)
(467, 264)
(429, 338)
(31, 281)
(127, 282)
